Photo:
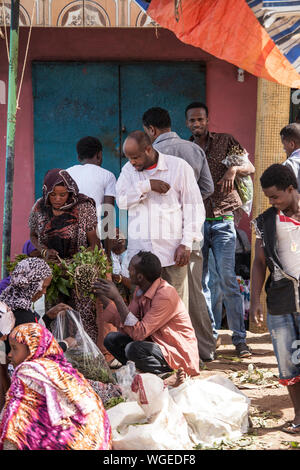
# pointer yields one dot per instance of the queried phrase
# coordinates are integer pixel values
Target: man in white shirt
(94, 181)
(165, 207)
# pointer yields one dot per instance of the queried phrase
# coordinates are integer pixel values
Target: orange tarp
(229, 30)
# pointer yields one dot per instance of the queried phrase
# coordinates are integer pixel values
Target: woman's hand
(57, 309)
(71, 342)
(49, 254)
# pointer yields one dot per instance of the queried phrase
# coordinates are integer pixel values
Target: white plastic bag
(214, 409)
(159, 425)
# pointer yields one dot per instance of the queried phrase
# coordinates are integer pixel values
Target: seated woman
(29, 281)
(49, 405)
(60, 223)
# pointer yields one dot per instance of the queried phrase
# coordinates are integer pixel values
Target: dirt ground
(270, 404)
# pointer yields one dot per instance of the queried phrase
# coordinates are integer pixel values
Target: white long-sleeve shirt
(161, 222)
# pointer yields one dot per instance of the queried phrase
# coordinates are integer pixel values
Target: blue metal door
(171, 86)
(73, 100)
(106, 100)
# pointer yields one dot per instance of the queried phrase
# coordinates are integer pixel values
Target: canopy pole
(10, 134)
(273, 111)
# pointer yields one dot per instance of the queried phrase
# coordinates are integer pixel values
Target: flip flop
(291, 428)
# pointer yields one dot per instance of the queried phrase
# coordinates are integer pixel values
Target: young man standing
(157, 125)
(95, 182)
(219, 230)
(277, 248)
(290, 137)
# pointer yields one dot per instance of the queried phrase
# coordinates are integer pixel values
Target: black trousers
(146, 355)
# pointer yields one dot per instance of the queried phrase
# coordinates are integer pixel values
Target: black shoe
(242, 350)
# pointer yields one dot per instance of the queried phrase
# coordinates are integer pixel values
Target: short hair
(157, 117)
(291, 132)
(280, 176)
(196, 104)
(149, 265)
(88, 147)
(142, 139)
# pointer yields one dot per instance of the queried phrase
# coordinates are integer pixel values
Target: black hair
(142, 139)
(291, 132)
(280, 176)
(157, 117)
(88, 147)
(149, 265)
(196, 104)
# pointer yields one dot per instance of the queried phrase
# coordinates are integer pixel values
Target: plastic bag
(214, 408)
(244, 184)
(85, 356)
(152, 422)
(125, 376)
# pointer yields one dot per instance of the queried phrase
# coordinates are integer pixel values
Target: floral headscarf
(25, 281)
(39, 340)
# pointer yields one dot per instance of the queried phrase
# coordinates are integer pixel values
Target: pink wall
(232, 105)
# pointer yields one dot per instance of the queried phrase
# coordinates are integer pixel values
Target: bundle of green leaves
(79, 272)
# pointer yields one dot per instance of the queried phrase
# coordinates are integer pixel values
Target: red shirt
(163, 319)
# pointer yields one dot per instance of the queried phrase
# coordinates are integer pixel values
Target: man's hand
(59, 308)
(256, 313)
(182, 255)
(105, 288)
(227, 182)
(159, 186)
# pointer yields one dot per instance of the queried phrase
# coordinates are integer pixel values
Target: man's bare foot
(175, 379)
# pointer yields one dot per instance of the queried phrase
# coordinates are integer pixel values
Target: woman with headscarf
(49, 405)
(60, 223)
(29, 281)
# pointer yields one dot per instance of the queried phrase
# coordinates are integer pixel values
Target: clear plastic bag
(244, 184)
(85, 356)
(125, 376)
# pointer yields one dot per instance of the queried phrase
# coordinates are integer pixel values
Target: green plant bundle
(85, 268)
(79, 272)
(91, 367)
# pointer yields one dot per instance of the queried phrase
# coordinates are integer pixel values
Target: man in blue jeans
(277, 250)
(219, 230)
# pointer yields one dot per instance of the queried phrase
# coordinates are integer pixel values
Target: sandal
(291, 428)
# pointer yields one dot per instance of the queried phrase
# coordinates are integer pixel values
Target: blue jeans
(216, 293)
(220, 238)
(285, 335)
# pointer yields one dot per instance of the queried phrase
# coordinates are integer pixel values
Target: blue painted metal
(171, 86)
(72, 100)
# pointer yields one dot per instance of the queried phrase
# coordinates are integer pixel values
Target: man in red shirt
(155, 330)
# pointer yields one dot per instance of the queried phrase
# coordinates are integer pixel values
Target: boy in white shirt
(94, 181)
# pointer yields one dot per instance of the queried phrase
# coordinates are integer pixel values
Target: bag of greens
(244, 185)
(84, 356)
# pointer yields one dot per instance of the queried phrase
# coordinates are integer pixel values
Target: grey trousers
(198, 309)
(177, 276)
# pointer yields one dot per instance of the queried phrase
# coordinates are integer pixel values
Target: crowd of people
(174, 274)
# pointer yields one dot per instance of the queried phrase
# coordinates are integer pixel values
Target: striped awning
(261, 37)
(282, 22)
